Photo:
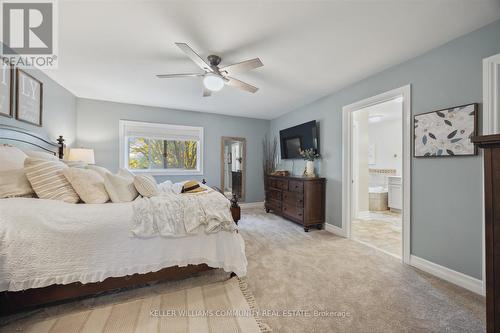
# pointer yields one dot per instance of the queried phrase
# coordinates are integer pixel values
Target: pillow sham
(41, 155)
(48, 181)
(11, 157)
(88, 184)
(146, 185)
(120, 187)
(13, 183)
(76, 164)
(100, 170)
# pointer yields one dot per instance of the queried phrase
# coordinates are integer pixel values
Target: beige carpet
(380, 229)
(219, 307)
(357, 288)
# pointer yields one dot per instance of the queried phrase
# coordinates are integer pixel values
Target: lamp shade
(82, 154)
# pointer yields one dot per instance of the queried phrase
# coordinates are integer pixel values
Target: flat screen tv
(297, 138)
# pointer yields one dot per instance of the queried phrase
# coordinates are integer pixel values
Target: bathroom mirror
(233, 160)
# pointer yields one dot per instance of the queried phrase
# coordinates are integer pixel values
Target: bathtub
(378, 198)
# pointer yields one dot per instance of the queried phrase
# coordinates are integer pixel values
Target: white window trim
(159, 172)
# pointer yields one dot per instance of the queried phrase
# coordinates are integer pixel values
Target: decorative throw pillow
(100, 170)
(120, 187)
(13, 183)
(11, 157)
(88, 184)
(41, 155)
(146, 185)
(76, 164)
(48, 181)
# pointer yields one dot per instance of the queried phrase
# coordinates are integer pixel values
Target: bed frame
(15, 301)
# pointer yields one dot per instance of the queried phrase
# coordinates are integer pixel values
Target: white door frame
(347, 111)
(491, 125)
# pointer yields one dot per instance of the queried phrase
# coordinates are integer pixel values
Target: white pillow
(11, 158)
(120, 187)
(48, 181)
(13, 183)
(88, 184)
(146, 185)
(41, 155)
(100, 170)
(76, 164)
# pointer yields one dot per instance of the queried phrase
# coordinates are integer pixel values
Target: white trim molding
(460, 279)
(130, 128)
(405, 93)
(247, 205)
(335, 230)
(491, 124)
(491, 95)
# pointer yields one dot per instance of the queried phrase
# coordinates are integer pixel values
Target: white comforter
(44, 242)
(175, 215)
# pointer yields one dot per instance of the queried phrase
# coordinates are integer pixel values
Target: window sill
(167, 172)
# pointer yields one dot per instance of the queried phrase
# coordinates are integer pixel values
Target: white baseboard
(460, 279)
(335, 230)
(259, 204)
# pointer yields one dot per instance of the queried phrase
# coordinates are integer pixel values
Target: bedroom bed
(56, 251)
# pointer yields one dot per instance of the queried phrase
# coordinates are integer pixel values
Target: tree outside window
(146, 153)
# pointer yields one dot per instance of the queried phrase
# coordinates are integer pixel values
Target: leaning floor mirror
(233, 160)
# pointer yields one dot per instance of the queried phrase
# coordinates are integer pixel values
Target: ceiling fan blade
(206, 92)
(169, 76)
(240, 84)
(194, 56)
(243, 66)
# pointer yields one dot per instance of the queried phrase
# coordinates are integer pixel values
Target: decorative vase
(310, 169)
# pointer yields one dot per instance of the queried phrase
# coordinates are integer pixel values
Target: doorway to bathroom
(376, 173)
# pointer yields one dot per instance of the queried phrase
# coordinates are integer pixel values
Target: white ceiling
(111, 50)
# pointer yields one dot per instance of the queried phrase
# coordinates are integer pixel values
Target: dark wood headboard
(12, 134)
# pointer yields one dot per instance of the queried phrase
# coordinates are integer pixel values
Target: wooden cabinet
(395, 191)
(491, 145)
(298, 199)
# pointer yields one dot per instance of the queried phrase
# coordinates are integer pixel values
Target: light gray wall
(59, 111)
(446, 192)
(97, 128)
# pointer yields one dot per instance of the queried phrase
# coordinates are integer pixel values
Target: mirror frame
(243, 164)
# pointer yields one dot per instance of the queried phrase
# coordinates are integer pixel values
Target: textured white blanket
(175, 215)
(43, 242)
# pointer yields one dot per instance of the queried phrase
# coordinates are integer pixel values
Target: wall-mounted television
(297, 138)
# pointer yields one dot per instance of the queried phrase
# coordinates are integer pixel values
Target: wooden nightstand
(235, 209)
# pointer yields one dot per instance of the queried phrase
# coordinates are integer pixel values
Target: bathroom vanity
(395, 193)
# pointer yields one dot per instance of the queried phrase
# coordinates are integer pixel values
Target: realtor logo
(27, 27)
(28, 33)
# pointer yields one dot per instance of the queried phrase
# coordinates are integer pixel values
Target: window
(161, 148)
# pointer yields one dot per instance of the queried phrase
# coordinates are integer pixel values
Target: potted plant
(309, 155)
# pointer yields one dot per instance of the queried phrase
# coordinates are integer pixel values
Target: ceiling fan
(215, 77)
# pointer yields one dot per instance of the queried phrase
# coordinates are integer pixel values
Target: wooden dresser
(491, 146)
(298, 199)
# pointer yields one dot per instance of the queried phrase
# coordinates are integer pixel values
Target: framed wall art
(446, 132)
(29, 98)
(6, 90)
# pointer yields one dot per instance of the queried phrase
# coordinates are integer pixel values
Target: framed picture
(446, 132)
(6, 90)
(29, 98)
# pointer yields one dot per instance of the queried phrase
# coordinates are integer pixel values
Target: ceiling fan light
(213, 82)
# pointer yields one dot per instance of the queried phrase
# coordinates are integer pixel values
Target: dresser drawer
(273, 205)
(293, 211)
(281, 184)
(296, 186)
(293, 198)
(273, 194)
